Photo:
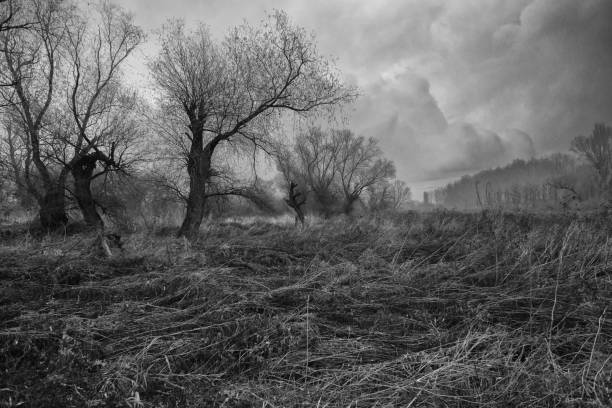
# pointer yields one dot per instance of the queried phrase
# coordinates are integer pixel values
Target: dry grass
(415, 310)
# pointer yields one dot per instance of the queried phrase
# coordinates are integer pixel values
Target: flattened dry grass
(438, 309)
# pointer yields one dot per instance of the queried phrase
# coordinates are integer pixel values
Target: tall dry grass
(440, 309)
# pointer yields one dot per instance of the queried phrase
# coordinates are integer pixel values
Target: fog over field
(449, 87)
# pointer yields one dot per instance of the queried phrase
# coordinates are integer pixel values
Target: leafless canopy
(334, 165)
(62, 90)
(597, 149)
(360, 164)
(235, 92)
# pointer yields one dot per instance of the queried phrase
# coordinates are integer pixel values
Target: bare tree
(16, 161)
(99, 107)
(359, 164)
(73, 52)
(235, 92)
(30, 59)
(316, 163)
(296, 200)
(400, 194)
(388, 195)
(335, 166)
(597, 149)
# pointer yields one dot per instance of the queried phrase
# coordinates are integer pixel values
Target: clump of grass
(440, 309)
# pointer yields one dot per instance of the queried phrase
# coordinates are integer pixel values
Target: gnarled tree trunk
(52, 212)
(295, 202)
(198, 167)
(82, 172)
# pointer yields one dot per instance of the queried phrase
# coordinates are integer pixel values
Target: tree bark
(348, 204)
(198, 167)
(296, 203)
(82, 172)
(52, 211)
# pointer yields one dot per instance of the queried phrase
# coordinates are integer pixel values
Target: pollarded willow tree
(29, 65)
(235, 92)
(62, 89)
(102, 124)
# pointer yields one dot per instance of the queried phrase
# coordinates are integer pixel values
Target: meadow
(438, 309)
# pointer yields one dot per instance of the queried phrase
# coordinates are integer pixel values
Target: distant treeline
(555, 181)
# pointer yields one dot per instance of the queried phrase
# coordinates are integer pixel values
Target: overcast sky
(448, 86)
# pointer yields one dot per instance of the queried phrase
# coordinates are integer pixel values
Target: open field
(421, 310)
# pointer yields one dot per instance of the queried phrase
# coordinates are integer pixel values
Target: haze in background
(449, 87)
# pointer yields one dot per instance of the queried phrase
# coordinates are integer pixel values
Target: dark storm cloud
(450, 86)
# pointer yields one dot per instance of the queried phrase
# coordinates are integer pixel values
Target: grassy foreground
(429, 310)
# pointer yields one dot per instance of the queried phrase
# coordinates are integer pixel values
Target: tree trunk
(52, 211)
(299, 216)
(295, 202)
(198, 167)
(348, 204)
(82, 173)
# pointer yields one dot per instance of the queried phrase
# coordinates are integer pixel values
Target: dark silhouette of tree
(296, 200)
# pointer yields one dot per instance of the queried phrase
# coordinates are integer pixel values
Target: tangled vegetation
(439, 309)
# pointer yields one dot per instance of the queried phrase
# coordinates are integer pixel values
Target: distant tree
(401, 194)
(596, 148)
(16, 161)
(234, 92)
(388, 195)
(359, 164)
(315, 163)
(334, 168)
(522, 183)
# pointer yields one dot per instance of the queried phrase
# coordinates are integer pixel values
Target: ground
(422, 310)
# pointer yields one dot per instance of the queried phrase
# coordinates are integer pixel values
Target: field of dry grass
(417, 310)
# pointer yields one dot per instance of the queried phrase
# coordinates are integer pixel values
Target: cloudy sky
(448, 86)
